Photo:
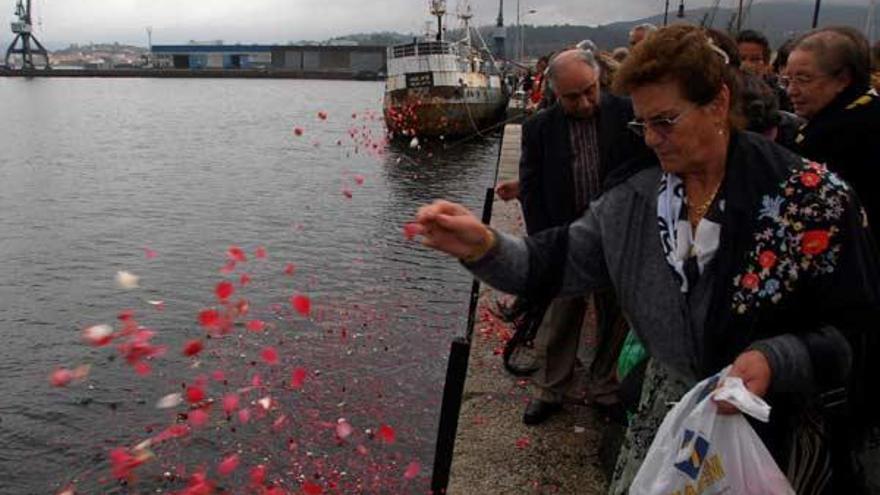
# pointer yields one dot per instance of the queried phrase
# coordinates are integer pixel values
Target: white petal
(169, 401)
(127, 280)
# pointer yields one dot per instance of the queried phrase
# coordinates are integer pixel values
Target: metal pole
(453, 389)
(666, 14)
(739, 17)
(519, 25)
(816, 13)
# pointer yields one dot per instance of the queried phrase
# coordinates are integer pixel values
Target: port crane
(25, 43)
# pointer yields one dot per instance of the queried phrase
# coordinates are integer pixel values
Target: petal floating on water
(61, 377)
(224, 290)
(169, 401)
(98, 335)
(228, 465)
(387, 434)
(297, 378)
(412, 470)
(127, 280)
(236, 253)
(269, 355)
(255, 325)
(343, 429)
(192, 348)
(302, 304)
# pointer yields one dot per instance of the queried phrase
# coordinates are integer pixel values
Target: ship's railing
(423, 48)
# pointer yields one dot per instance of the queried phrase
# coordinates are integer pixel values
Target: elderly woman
(828, 77)
(723, 249)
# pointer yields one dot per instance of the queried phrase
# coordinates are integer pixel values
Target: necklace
(700, 210)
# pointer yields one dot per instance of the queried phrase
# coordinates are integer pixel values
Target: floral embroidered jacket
(795, 275)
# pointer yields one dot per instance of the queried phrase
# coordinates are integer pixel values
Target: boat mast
(466, 14)
(438, 9)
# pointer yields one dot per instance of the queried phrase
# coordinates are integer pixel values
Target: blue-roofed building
(367, 62)
(196, 56)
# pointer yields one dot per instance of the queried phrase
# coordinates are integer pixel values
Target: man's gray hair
(647, 27)
(568, 57)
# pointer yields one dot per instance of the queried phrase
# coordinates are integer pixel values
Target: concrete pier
(495, 453)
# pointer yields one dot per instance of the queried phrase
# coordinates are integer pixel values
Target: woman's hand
(453, 229)
(754, 369)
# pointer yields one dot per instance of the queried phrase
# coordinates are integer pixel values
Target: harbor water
(158, 178)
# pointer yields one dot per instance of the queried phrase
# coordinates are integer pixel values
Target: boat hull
(443, 111)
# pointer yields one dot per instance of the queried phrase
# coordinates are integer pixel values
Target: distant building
(202, 56)
(350, 61)
(355, 61)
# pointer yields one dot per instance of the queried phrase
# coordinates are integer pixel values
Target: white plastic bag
(698, 451)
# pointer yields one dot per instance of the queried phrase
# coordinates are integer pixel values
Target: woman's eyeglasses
(660, 125)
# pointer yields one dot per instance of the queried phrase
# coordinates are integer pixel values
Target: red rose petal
(230, 403)
(224, 290)
(289, 269)
(258, 475)
(244, 415)
(310, 488)
(359, 180)
(260, 253)
(269, 355)
(302, 304)
(297, 378)
(244, 279)
(198, 418)
(412, 470)
(236, 253)
(228, 268)
(255, 325)
(193, 347)
(194, 394)
(209, 318)
(386, 434)
(228, 465)
(61, 377)
(410, 230)
(343, 429)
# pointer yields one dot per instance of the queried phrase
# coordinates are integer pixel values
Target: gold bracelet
(488, 243)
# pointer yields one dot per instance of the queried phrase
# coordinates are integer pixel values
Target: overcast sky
(287, 20)
(268, 21)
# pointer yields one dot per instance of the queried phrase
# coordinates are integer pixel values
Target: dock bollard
(453, 388)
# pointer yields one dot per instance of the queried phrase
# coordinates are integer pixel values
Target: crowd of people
(713, 199)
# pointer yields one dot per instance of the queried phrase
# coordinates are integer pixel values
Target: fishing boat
(436, 87)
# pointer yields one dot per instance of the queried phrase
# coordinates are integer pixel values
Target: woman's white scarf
(676, 236)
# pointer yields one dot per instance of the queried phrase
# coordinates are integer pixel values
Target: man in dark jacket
(567, 152)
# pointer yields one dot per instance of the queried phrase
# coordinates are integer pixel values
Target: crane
(25, 43)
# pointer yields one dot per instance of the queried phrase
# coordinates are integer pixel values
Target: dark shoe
(538, 411)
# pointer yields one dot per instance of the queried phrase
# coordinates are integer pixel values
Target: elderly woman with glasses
(828, 77)
(724, 249)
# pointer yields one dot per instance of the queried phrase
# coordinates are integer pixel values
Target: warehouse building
(357, 61)
(339, 61)
(212, 56)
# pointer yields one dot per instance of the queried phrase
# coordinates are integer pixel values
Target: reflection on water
(93, 171)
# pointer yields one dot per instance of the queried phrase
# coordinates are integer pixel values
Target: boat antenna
(466, 14)
(438, 9)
